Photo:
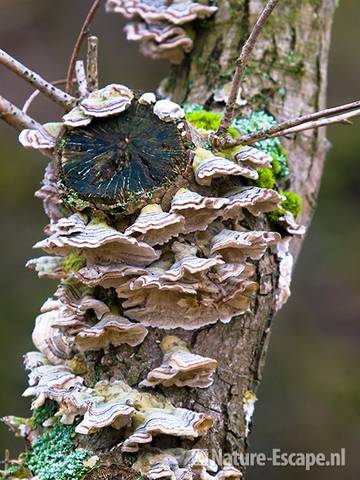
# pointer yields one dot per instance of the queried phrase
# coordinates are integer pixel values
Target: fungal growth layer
(180, 254)
(162, 27)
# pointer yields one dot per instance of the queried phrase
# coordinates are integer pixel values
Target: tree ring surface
(120, 158)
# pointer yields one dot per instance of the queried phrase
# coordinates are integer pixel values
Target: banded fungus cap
(180, 367)
(176, 12)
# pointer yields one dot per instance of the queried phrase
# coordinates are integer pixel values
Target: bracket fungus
(207, 166)
(180, 464)
(160, 40)
(198, 211)
(155, 226)
(177, 422)
(97, 240)
(180, 367)
(159, 26)
(254, 199)
(151, 228)
(111, 330)
(286, 264)
(237, 246)
(177, 12)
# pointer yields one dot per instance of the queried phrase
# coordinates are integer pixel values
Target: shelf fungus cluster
(149, 230)
(162, 27)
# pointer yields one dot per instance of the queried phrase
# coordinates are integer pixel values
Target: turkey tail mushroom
(180, 367)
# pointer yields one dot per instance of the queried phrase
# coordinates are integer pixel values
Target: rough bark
(287, 77)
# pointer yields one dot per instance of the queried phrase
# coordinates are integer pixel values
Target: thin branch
(15, 117)
(35, 93)
(296, 124)
(83, 33)
(277, 129)
(240, 66)
(55, 94)
(342, 118)
(81, 79)
(92, 64)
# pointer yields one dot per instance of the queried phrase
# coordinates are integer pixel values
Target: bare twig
(75, 54)
(299, 124)
(55, 94)
(342, 118)
(35, 93)
(81, 78)
(7, 459)
(15, 117)
(92, 64)
(277, 129)
(240, 66)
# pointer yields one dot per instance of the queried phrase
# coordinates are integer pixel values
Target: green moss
(44, 412)
(209, 121)
(54, 457)
(266, 178)
(73, 263)
(292, 203)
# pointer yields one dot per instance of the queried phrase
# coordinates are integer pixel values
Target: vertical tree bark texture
(287, 77)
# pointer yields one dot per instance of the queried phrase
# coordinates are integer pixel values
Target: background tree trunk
(287, 76)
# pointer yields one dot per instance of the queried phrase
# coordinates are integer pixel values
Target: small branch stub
(92, 64)
(81, 78)
(82, 35)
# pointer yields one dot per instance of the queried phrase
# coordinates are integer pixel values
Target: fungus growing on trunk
(180, 367)
(160, 26)
(111, 330)
(156, 227)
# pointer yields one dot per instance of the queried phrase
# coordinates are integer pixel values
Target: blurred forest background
(310, 397)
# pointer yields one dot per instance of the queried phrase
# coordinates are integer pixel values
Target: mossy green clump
(260, 121)
(292, 204)
(43, 413)
(73, 263)
(266, 178)
(54, 457)
(210, 121)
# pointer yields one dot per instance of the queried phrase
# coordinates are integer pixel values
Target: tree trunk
(287, 76)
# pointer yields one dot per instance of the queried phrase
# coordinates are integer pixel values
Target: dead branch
(81, 78)
(240, 66)
(58, 96)
(92, 64)
(16, 117)
(75, 54)
(300, 124)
